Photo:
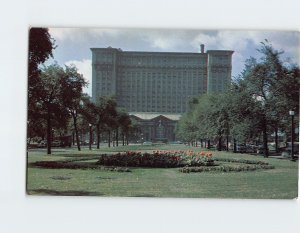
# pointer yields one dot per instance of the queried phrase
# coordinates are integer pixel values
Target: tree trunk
(48, 131)
(91, 137)
(113, 138)
(220, 143)
(208, 144)
(227, 142)
(117, 137)
(109, 138)
(234, 145)
(76, 131)
(123, 139)
(73, 138)
(265, 139)
(98, 136)
(276, 139)
(201, 141)
(28, 142)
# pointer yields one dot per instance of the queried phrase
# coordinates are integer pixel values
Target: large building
(158, 83)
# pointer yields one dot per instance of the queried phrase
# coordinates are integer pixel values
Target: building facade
(158, 82)
(157, 127)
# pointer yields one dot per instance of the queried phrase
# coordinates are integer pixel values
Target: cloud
(227, 40)
(81, 34)
(245, 43)
(165, 39)
(74, 43)
(85, 68)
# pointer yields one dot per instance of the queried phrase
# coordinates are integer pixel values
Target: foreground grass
(280, 183)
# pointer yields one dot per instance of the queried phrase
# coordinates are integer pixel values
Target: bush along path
(231, 165)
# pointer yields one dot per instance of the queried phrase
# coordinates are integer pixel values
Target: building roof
(165, 53)
(220, 51)
(152, 115)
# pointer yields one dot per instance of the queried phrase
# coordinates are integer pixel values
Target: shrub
(241, 161)
(226, 168)
(158, 159)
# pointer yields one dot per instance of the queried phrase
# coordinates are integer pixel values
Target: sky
(73, 44)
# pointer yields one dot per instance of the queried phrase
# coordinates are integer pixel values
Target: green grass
(279, 183)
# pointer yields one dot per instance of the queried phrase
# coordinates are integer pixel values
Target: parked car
(147, 143)
(55, 143)
(250, 148)
(85, 143)
(42, 144)
(241, 148)
(176, 142)
(287, 151)
(260, 149)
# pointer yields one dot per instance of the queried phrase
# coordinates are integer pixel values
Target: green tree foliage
(134, 131)
(48, 99)
(41, 46)
(124, 123)
(72, 84)
(257, 103)
(40, 49)
(101, 114)
(186, 129)
(57, 97)
(275, 89)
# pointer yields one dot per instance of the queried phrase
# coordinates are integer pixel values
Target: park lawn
(278, 183)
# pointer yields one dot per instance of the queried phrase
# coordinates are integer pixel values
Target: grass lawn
(278, 183)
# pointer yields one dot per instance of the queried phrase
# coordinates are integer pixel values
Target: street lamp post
(292, 113)
(142, 139)
(90, 142)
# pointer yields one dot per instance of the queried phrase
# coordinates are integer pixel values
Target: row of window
(161, 81)
(220, 70)
(162, 74)
(158, 60)
(135, 108)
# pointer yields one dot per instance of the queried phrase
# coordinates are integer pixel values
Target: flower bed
(224, 168)
(233, 165)
(157, 159)
(187, 161)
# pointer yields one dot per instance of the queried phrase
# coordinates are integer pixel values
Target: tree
(41, 46)
(101, 114)
(134, 131)
(186, 129)
(49, 98)
(58, 94)
(72, 84)
(274, 90)
(256, 103)
(124, 123)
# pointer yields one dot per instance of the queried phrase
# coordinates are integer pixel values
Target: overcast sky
(73, 44)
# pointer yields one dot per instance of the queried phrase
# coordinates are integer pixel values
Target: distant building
(158, 82)
(157, 127)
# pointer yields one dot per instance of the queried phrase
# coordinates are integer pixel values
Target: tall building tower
(151, 85)
(162, 82)
(219, 67)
